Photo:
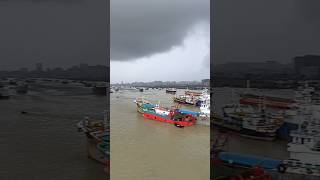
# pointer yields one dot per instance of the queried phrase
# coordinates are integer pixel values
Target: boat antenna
(105, 118)
(232, 95)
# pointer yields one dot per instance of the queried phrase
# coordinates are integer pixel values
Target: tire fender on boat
(309, 171)
(281, 168)
(178, 125)
(236, 177)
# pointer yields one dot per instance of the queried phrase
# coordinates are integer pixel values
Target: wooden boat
(100, 90)
(250, 124)
(226, 168)
(268, 101)
(187, 100)
(193, 93)
(171, 91)
(98, 138)
(98, 144)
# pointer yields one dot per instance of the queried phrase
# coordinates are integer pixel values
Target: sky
(58, 33)
(164, 40)
(256, 31)
(153, 33)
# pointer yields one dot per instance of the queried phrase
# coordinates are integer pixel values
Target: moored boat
(178, 117)
(246, 160)
(100, 89)
(98, 146)
(268, 101)
(184, 99)
(98, 138)
(248, 122)
(171, 91)
(192, 93)
(174, 117)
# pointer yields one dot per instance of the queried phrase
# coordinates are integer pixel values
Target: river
(44, 143)
(146, 149)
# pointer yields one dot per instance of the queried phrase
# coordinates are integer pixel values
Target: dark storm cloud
(43, 1)
(309, 11)
(144, 27)
(55, 32)
(251, 30)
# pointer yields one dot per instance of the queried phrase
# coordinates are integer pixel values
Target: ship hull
(284, 131)
(93, 152)
(224, 124)
(181, 101)
(166, 120)
(273, 102)
(257, 135)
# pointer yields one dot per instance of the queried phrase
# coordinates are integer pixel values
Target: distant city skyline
(81, 71)
(35, 66)
(186, 81)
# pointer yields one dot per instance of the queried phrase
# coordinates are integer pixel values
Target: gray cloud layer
(145, 27)
(55, 32)
(250, 30)
(43, 1)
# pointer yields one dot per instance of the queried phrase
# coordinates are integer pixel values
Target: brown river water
(44, 143)
(145, 149)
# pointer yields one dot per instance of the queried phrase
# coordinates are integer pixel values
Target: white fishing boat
(205, 104)
(305, 145)
(304, 150)
(204, 114)
(251, 123)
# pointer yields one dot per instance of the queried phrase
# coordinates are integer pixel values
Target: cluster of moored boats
(97, 133)
(176, 115)
(13, 86)
(268, 118)
(9, 86)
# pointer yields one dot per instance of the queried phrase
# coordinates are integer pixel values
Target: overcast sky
(259, 30)
(159, 40)
(55, 32)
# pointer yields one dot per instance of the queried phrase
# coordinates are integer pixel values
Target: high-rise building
(307, 66)
(39, 67)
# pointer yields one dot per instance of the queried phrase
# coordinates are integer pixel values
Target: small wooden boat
(171, 91)
(98, 138)
(268, 101)
(193, 93)
(100, 90)
(98, 146)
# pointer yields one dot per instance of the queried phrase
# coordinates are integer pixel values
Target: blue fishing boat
(249, 160)
(185, 111)
(284, 131)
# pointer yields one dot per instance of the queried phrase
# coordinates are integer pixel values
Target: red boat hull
(272, 104)
(170, 121)
(190, 93)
